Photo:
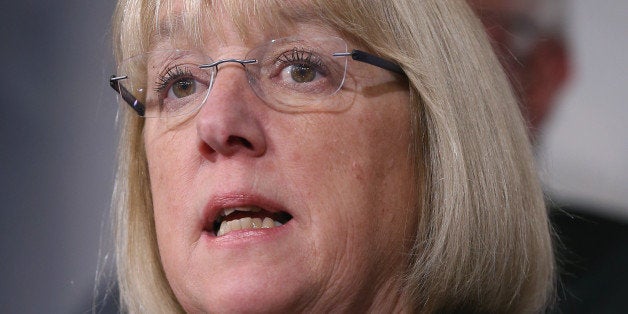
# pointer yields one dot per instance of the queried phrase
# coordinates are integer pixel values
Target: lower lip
(247, 237)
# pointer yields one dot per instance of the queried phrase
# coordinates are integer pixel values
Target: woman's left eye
(299, 73)
(300, 66)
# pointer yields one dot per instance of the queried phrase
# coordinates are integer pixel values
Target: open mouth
(246, 218)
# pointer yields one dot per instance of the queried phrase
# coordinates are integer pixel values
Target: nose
(230, 122)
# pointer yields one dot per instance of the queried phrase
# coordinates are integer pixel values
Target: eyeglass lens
(289, 74)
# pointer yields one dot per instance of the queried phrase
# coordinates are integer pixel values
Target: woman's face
(340, 183)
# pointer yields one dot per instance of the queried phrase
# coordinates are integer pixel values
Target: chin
(247, 290)
(254, 272)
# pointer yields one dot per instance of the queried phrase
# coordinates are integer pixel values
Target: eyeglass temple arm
(366, 57)
(114, 82)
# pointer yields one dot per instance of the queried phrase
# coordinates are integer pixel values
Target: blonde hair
(483, 239)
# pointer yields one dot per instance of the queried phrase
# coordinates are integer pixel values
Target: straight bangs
(194, 22)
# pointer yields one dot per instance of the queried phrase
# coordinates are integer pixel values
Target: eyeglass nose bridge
(219, 62)
(215, 64)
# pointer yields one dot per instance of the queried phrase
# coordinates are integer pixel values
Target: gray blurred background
(57, 134)
(57, 131)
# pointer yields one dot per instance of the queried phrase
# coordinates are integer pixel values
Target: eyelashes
(172, 75)
(301, 56)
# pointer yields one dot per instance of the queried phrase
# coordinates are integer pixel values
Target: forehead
(194, 22)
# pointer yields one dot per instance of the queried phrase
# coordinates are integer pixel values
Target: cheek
(172, 161)
(357, 170)
(170, 168)
(359, 194)
(167, 170)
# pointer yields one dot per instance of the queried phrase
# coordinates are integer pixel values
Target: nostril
(236, 140)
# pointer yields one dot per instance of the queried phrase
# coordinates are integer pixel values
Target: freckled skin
(346, 178)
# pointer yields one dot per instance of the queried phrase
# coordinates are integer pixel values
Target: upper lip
(219, 202)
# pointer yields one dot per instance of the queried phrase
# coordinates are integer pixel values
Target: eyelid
(169, 75)
(173, 73)
(301, 56)
(165, 61)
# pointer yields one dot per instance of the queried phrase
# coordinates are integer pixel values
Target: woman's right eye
(177, 82)
(182, 88)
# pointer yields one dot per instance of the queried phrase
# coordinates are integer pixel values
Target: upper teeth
(246, 223)
(227, 211)
(223, 226)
